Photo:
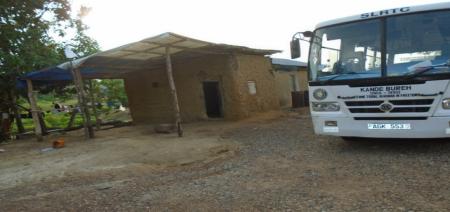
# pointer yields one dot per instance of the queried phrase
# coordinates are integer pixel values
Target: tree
(82, 44)
(28, 41)
(111, 90)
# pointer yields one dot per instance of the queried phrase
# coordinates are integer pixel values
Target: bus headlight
(320, 94)
(325, 106)
(446, 104)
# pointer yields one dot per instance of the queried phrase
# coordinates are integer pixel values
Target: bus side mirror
(295, 48)
(308, 34)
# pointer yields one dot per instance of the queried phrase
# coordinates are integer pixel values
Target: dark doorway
(213, 99)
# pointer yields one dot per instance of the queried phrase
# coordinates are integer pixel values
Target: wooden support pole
(87, 121)
(173, 92)
(16, 112)
(79, 98)
(73, 114)
(44, 129)
(34, 111)
(88, 130)
(94, 105)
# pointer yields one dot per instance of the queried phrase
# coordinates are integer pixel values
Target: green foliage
(33, 36)
(81, 43)
(111, 91)
(45, 101)
(60, 120)
(24, 35)
(28, 37)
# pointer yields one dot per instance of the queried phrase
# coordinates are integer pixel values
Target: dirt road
(275, 164)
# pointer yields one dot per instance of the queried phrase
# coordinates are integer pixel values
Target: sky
(253, 23)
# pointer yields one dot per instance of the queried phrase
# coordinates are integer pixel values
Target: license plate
(389, 126)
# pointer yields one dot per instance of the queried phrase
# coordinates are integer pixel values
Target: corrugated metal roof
(288, 62)
(150, 52)
(146, 54)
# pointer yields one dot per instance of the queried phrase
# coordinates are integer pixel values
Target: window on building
(251, 87)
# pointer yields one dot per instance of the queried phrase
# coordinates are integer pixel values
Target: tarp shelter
(53, 74)
(150, 53)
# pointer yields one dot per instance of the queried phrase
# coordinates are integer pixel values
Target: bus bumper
(432, 127)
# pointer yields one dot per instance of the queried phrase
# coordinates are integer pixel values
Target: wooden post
(173, 92)
(85, 108)
(44, 129)
(94, 105)
(16, 112)
(73, 114)
(34, 111)
(88, 131)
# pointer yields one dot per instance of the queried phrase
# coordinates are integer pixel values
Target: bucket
(58, 143)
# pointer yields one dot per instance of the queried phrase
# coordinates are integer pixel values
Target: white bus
(382, 74)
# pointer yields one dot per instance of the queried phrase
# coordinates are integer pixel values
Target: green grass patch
(61, 120)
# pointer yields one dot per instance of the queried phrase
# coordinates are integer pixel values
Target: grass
(52, 120)
(57, 120)
(61, 120)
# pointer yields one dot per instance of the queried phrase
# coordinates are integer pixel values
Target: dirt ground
(270, 162)
(28, 161)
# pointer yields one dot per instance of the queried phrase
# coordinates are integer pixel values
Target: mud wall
(149, 95)
(284, 87)
(303, 79)
(150, 100)
(256, 69)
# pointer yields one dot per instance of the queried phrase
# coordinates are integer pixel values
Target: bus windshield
(358, 50)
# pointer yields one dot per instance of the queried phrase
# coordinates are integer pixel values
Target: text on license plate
(389, 126)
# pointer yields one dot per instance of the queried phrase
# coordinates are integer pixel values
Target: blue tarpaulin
(49, 74)
(53, 75)
(59, 74)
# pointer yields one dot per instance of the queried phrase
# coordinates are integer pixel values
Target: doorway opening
(213, 99)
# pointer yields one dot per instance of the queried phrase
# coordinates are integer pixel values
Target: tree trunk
(2, 133)
(6, 124)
